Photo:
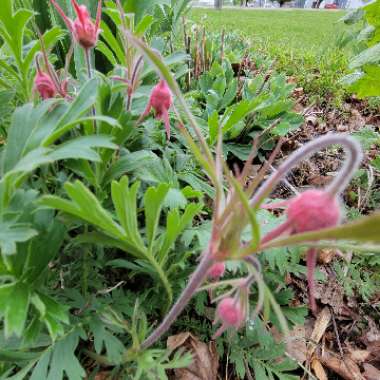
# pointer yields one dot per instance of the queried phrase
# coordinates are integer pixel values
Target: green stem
(163, 278)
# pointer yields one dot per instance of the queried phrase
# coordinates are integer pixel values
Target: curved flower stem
(352, 162)
(195, 281)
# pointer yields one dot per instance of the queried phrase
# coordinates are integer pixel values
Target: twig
(337, 335)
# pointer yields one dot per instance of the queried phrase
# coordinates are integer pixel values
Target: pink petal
(67, 21)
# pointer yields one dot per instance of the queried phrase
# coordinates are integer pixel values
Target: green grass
(299, 29)
(304, 43)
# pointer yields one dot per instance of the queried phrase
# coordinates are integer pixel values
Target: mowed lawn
(292, 29)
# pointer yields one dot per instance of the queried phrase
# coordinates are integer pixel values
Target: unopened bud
(230, 312)
(313, 210)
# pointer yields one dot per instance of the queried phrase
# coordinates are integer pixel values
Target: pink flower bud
(161, 101)
(217, 270)
(230, 312)
(309, 211)
(313, 210)
(84, 31)
(45, 85)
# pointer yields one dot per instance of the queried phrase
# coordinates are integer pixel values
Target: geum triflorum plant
(312, 217)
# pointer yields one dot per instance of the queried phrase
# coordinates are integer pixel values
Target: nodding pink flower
(47, 84)
(44, 85)
(230, 312)
(161, 101)
(309, 211)
(217, 270)
(84, 31)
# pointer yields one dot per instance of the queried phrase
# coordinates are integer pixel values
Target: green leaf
(213, 126)
(363, 230)
(63, 360)
(129, 163)
(369, 83)
(175, 225)
(367, 57)
(16, 309)
(241, 110)
(104, 338)
(24, 121)
(113, 43)
(10, 234)
(124, 199)
(82, 148)
(153, 202)
(86, 206)
(143, 25)
(81, 104)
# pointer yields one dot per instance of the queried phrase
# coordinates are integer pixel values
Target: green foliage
(102, 219)
(365, 80)
(18, 49)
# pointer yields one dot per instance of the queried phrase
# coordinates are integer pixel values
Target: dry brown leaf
(331, 293)
(205, 362)
(370, 372)
(296, 344)
(359, 356)
(321, 324)
(318, 369)
(325, 256)
(373, 333)
(346, 368)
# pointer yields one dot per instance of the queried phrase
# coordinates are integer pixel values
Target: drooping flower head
(231, 313)
(83, 29)
(312, 210)
(44, 85)
(161, 101)
(47, 84)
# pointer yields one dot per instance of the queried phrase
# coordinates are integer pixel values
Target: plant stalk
(195, 281)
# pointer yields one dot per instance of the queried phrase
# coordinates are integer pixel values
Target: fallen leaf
(295, 343)
(325, 256)
(370, 372)
(321, 324)
(331, 293)
(359, 356)
(318, 369)
(346, 368)
(205, 362)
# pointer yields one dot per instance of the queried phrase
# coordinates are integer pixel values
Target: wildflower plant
(235, 209)
(57, 158)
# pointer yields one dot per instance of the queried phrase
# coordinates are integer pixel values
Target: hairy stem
(195, 281)
(352, 162)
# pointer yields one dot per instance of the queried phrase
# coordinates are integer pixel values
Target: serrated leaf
(16, 309)
(153, 202)
(63, 360)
